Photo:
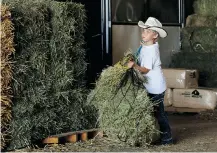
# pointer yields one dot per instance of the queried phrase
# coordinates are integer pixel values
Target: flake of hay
(206, 7)
(199, 39)
(196, 20)
(125, 111)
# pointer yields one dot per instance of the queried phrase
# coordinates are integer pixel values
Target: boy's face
(149, 35)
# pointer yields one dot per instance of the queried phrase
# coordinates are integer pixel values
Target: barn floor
(193, 132)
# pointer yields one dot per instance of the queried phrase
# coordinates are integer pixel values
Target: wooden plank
(51, 140)
(71, 133)
(72, 138)
(84, 136)
(179, 109)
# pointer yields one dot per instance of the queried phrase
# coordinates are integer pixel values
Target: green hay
(206, 7)
(198, 48)
(32, 32)
(125, 111)
(199, 39)
(50, 68)
(205, 63)
(21, 132)
(68, 22)
(196, 20)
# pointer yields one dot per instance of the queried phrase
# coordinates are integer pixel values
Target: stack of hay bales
(198, 40)
(48, 85)
(32, 32)
(125, 111)
(64, 109)
(7, 48)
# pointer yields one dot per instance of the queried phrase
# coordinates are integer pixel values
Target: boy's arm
(141, 69)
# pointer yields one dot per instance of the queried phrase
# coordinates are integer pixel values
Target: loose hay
(125, 111)
(196, 20)
(7, 48)
(199, 39)
(206, 7)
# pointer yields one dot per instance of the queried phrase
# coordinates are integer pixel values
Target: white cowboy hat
(153, 24)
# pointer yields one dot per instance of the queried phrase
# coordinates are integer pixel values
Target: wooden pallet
(179, 109)
(72, 137)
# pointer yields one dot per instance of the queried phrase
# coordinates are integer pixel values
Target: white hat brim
(162, 33)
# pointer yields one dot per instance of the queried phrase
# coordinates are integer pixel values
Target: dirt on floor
(193, 132)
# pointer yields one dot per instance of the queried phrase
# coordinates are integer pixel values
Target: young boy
(150, 66)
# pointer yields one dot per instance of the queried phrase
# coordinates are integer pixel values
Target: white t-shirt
(149, 58)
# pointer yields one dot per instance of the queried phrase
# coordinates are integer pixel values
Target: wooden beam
(84, 136)
(73, 137)
(51, 140)
(180, 109)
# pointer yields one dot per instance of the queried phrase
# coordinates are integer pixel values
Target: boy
(150, 66)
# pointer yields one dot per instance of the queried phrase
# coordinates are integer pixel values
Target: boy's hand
(130, 64)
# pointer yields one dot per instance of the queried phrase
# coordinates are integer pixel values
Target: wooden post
(72, 138)
(84, 136)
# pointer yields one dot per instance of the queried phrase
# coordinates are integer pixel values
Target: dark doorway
(93, 39)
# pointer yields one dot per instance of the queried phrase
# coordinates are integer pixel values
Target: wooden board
(176, 109)
(73, 137)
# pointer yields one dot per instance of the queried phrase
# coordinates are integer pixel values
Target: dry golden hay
(7, 38)
(7, 48)
(5, 13)
(6, 75)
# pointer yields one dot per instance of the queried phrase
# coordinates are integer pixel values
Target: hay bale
(205, 7)
(198, 48)
(49, 87)
(196, 20)
(64, 110)
(205, 63)
(32, 32)
(21, 137)
(67, 40)
(125, 111)
(199, 39)
(7, 48)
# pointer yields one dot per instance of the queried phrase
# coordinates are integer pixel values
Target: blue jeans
(161, 116)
